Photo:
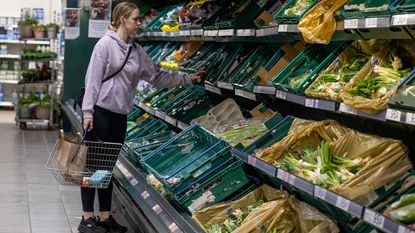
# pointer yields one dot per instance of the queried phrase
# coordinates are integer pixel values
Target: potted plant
(26, 106)
(26, 27)
(43, 108)
(39, 31)
(52, 30)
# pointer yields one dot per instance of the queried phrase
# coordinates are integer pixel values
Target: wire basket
(98, 166)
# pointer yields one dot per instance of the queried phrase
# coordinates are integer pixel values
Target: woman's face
(132, 23)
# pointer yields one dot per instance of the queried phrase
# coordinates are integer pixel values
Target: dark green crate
(306, 66)
(401, 101)
(221, 185)
(135, 114)
(281, 19)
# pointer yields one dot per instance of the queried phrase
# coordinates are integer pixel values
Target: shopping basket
(85, 163)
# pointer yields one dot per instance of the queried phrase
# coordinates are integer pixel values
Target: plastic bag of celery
(279, 210)
(372, 87)
(387, 158)
(318, 24)
(244, 132)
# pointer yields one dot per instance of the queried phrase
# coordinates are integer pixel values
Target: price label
(228, 32)
(145, 195)
(184, 33)
(252, 160)
(225, 85)
(245, 32)
(245, 94)
(282, 175)
(410, 118)
(320, 192)
(283, 28)
(134, 182)
(347, 109)
(213, 89)
(211, 33)
(150, 110)
(142, 105)
(371, 22)
(157, 209)
(173, 227)
(171, 120)
(311, 103)
(160, 115)
(398, 20)
(402, 229)
(261, 3)
(291, 179)
(265, 90)
(198, 32)
(351, 23)
(393, 115)
(181, 125)
(374, 218)
(281, 94)
(342, 203)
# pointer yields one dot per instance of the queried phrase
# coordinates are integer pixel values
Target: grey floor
(30, 199)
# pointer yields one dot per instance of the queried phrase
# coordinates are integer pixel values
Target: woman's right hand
(88, 124)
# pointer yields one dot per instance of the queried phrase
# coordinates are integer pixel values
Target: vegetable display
(244, 132)
(299, 7)
(321, 166)
(403, 210)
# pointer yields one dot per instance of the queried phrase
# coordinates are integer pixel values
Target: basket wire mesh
(99, 164)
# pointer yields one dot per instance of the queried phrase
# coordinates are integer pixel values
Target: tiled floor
(30, 199)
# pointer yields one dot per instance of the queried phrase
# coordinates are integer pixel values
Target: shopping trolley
(95, 162)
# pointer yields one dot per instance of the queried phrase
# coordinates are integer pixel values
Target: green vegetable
(405, 200)
(404, 214)
(299, 7)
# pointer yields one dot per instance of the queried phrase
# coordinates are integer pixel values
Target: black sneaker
(112, 226)
(90, 226)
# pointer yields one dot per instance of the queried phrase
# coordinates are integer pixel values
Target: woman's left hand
(198, 77)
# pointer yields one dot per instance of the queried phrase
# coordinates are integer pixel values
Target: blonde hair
(123, 9)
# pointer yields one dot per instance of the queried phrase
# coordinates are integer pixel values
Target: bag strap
(122, 67)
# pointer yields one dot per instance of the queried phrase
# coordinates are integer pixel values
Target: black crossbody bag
(80, 97)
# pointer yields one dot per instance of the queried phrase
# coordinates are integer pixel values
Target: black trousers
(108, 127)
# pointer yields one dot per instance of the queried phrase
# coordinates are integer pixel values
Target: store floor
(30, 199)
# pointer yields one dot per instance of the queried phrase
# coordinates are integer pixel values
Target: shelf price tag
(160, 115)
(351, 23)
(399, 20)
(212, 33)
(145, 195)
(342, 203)
(173, 227)
(281, 94)
(371, 22)
(252, 160)
(347, 109)
(157, 209)
(171, 120)
(213, 89)
(226, 32)
(320, 192)
(410, 118)
(142, 105)
(282, 175)
(282, 28)
(311, 103)
(374, 218)
(402, 229)
(245, 94)
(291, 179)
(225, 85)
(134, 182)
(197, 32)
(393, 115)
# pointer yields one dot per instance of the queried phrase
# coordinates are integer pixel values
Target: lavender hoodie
(116, 94)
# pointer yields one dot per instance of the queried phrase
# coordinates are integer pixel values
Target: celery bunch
(320, 166)
(299, 7)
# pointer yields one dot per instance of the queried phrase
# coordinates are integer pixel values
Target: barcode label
(157, 209)
(281, 94)
(410, 118)
(374, 218)
(342, 203)
(145, 195)
(371, 22)
(283, 28)
(311, 103)
(398, 20)
(320, 192)
(351, 23)
(347, 109)
(393, 115)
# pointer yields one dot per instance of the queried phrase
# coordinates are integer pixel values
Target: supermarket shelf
(164, 217)
(36, 83)
(39, 59)
(8, 81)
(33, 121)
(34, 42)
(10, 41)
(6, 104)
(10, 56)
(366, 214)
(74, 117)
(161, 115)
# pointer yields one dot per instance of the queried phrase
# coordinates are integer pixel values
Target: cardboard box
(261, 112)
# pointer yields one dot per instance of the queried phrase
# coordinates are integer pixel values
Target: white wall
(11, 8)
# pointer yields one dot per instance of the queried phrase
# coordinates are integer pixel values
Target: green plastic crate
(220, 185)
(401, 100)
(402, 6)
(306, 66)
(156, 23)
(135, 114)
(146, 127)
(280, 18)
(222, 63)
(181, 156)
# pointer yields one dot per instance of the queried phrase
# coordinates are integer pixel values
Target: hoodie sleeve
(93, 80)
(151, 73)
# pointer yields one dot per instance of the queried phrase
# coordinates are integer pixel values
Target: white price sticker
(160, 115)
(398, 20)
(281, 94)
(342, 203)
(198, 32)
(245, 32)
(171, 120)
(282, 28)
(371, 22)
(142, 105)
(393, 115)
(351, 23)
(212, 33)
(410, 118)
(291, 179)
(309, 103)
(245, 94)
(252, 160)
(173, 227)
(213, 89)
(145, 195)
(157, 209)
(227, 32)
(282, 175)
(374, 218)
(347, 109)
(402, 229)
(134, 182)
(225, 85)
(320, 192)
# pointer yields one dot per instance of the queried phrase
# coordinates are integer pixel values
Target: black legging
(108, 127)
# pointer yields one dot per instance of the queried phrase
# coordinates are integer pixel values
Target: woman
(106, 105)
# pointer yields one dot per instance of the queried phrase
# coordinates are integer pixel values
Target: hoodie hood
(117, 38)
